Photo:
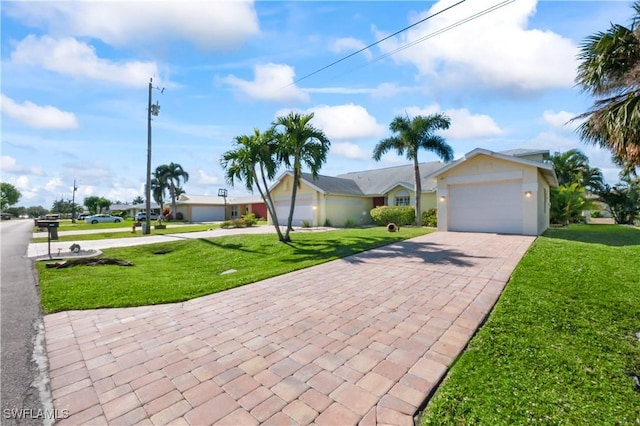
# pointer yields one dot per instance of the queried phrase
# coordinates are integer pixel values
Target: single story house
(211, 208)
(132, 209)
(484, 191)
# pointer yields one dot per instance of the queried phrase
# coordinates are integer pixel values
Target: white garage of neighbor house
(495, 192)
(209, 208)
(485, 191)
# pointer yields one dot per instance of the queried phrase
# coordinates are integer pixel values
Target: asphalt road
(23, 383)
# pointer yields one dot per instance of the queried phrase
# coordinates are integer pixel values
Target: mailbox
(51, 226)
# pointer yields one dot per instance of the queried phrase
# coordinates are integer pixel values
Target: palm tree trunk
(173, 201)
(294, 193)
(418, 187)
(268, 201)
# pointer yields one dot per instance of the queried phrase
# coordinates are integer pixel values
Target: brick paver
(358, 340)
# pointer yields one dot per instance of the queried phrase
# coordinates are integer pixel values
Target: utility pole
(73, 203)
(151, 110)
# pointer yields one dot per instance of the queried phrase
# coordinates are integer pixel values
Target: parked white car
(140, 216)
(102, 218)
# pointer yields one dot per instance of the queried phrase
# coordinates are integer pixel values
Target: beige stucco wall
(339, 208)
(487, 169)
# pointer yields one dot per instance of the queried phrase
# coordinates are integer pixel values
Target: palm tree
(158, 186)
(300, 142)
(573, 167)
(252, 153)
(610, 71)
(171, 175)
(411, 135)
(138, 200)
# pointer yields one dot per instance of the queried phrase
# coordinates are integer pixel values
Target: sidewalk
(41, 249)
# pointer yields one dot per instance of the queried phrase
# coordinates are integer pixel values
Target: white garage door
(207, 214)
(302, 212)
(488, 207)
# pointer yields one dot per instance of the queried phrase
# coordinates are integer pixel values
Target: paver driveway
(362, 340)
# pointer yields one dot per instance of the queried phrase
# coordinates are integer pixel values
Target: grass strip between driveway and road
(110, 235)
(193, 268)
(560, 347)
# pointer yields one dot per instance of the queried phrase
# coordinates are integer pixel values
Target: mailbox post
(52, 231)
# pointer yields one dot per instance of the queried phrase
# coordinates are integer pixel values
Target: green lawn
(560, 346)
(193, 268)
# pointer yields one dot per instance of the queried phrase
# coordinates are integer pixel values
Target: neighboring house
(475, 193)
(211, 208)
(132, 209)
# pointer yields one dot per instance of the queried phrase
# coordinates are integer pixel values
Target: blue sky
(75, 83)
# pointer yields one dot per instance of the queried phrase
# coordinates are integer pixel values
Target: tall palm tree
(172, 175)
(253, 153)
(299, 142)
(573, 167)
(412, 135)
(610, 71)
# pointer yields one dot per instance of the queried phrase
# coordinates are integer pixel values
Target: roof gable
(546, 169)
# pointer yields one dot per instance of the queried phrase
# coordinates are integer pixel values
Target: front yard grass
(560, 347)
(192, 268)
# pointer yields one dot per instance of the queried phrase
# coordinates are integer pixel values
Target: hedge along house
(505, 192)
(349, 197)
(209, 208)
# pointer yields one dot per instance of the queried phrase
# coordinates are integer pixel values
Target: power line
(377, 42)
(428, 36)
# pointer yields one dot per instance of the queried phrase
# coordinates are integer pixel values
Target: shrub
(430, 218)
(166, 213)
(327, 222)
(249, 219)
(350, 223)
(179, 216)
(306, 224)
(226, 224)
(401, 215)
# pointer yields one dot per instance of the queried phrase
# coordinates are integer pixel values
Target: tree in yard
(103, 204)
(573, 167)
(171, 175)
(623, 199)
(299, 143)
(158, 187)
(412, 135)
(252, 161)
(567, 203)
(9, 195)
(36, 211)
(610, 71)
(91, 203)
(138, 200)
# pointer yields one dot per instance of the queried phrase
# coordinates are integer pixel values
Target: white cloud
(38, 117)
(464, 124)
(561, 120)
(71, 57)
(204, 179)
(10, 165)
(272, 82)
(55, 185)
(349, 45)
(343, 122)
(496, 50)
(209, 24)
(349, 150)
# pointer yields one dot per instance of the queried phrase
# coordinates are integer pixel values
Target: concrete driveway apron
(360, 340)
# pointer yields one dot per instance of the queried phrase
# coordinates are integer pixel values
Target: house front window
(234, 211)
(402, 198)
